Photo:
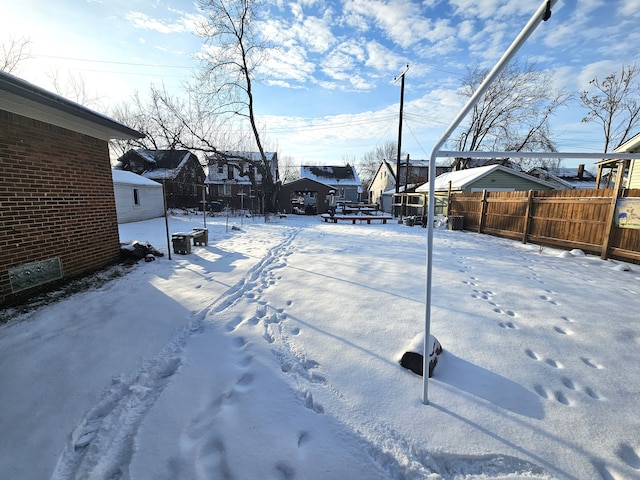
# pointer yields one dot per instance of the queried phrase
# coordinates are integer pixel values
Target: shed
(343, 179)
(58, 205)
(137, 197)
(493, 178)
(304, 196)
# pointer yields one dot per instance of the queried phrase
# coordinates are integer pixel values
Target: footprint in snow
(591, 363)
(548, 299)
(629, 455)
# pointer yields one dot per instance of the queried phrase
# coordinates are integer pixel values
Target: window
(136, 197)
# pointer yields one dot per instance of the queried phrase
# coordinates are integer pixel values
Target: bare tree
(232, 54)
(13, 52)
(512, 115)
(289, 170)
(614, 103)
(371, 160)
(74, 88)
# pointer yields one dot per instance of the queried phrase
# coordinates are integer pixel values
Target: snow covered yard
(273, 353)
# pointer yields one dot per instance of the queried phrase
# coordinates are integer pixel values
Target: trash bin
(455, 222)
(181, 243)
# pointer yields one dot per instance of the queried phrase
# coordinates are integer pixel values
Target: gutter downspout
(542, 14)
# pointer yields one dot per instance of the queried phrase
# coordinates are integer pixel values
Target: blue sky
(328, 94)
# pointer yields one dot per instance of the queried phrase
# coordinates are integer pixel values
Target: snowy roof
(162, 164)
(460, 179)
(566, 177)
(330, 175)
(24, 98)
(130, 178)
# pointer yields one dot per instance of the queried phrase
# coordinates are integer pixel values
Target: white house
(632, 146)
(137, 197)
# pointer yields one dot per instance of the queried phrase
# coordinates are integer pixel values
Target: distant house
(303, 196)
(179, 171)
(383, 185)
(235, 181)
(344, 180)
(137, 197)
(58, 213)
(566, 178)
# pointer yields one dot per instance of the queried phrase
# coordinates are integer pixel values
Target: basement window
(136, 197)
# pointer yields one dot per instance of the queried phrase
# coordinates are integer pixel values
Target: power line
(135, 64)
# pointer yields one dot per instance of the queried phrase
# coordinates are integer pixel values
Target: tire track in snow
(101, 445)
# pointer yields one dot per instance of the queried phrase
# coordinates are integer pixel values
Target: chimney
(580, 171)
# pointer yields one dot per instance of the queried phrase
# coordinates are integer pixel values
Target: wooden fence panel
(558, 218)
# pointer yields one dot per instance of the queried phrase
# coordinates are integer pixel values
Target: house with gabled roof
(343, 179)
(179, 171)
(303, 196)
(235, 181)
(493, 178)
(566, 178)
(59, 217)
(412, 174)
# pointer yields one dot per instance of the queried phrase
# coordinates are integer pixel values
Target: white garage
(137, 197)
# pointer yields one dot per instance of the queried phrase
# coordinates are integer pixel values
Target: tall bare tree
(614, 103)
(512, 115)
(371, 160)
(233, 51)
(13, 52)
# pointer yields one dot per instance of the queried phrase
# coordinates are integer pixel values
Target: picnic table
(355, 218)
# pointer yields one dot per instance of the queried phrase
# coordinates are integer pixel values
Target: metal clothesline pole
(542, 14)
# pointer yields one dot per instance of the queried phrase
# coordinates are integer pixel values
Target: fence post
(483, 210)
(527, 218)
(611, 216)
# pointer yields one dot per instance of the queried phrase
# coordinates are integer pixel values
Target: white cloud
(629, 8)
(381, 58)
(401, 20)
(143, 21)
(493, 9)
(342, 61)
(288, 64)
(597, 70)
(315, 33)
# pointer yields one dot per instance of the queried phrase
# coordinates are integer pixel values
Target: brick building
(57, 208)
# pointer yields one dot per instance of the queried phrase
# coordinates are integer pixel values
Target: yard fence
(584, 219)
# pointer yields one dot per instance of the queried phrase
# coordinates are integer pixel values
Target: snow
(130, 178)
(272, 353)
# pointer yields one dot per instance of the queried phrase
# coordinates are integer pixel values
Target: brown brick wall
(56, 199)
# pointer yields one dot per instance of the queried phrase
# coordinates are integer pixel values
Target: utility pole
(401, 77)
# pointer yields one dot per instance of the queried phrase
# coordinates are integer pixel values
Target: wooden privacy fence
(584, 219)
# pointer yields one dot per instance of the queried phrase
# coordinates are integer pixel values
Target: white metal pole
(542, 14)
